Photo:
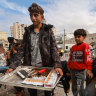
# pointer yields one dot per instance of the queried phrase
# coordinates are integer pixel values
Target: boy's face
(79, 39)
(19, 45)
(36, 18)
(14, 41)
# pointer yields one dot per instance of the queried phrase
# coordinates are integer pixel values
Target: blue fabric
(4, 67)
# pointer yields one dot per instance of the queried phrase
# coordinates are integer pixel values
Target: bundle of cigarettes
(51, 79)
(37, 77)
(41, 77)
(35, 81)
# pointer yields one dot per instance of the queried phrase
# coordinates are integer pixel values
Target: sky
(63, 14)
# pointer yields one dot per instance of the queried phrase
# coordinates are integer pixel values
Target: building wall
(54, 30)
(89, 39)
(3, 35)
(17, 30)
(68, 47)
(3, 39)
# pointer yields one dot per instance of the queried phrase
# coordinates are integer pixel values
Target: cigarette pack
(51, 79)
(38, 81)
(22, 73)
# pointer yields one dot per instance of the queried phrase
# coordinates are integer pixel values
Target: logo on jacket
(77, 56)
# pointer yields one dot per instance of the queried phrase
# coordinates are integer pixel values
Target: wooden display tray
(12, 79)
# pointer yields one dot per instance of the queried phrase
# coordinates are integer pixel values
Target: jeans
(77, 78)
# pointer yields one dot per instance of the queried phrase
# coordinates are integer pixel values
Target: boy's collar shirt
(79, 43)
(35, 51)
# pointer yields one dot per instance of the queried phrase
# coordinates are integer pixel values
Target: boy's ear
(84, 37)
(42, 16)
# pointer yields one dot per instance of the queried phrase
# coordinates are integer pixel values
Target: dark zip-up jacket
(47, 45)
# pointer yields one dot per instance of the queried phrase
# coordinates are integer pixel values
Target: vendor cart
(12, 79)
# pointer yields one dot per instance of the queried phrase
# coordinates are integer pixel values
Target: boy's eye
(35, 15)
(77, 36)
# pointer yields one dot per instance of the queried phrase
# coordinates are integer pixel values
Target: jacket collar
(32, 27)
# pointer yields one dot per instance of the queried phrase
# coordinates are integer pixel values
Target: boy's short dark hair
(35, 8)
(10, 39)
(80, 32)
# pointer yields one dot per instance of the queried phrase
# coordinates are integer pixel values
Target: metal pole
(64, 40)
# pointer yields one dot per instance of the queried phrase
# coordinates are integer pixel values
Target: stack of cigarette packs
(46, 79)
(51, 79)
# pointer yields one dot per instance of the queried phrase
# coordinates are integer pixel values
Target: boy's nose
(76, 37)
(33, 17)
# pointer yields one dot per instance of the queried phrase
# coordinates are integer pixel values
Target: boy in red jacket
(79, 61)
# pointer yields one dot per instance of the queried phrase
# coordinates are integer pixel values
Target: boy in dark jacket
(79, 60)
(39, 44)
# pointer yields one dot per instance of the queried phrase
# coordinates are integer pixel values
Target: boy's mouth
(34, 22)
(77, 41)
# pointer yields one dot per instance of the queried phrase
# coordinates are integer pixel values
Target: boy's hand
(68, 69)
(89, 73)
(59, 71)
(9, 70)
(8, 52)
(95, 86)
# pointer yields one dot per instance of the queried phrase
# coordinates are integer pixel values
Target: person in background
(15, 61)
(39, 44)
(12, 42)
(80, 60)
(17, 56)
(3, 61)
(2, 55)
(66, 78)
(61, 52)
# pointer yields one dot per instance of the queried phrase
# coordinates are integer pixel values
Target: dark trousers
(33, 92)
(19, 89)
(88, 80)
